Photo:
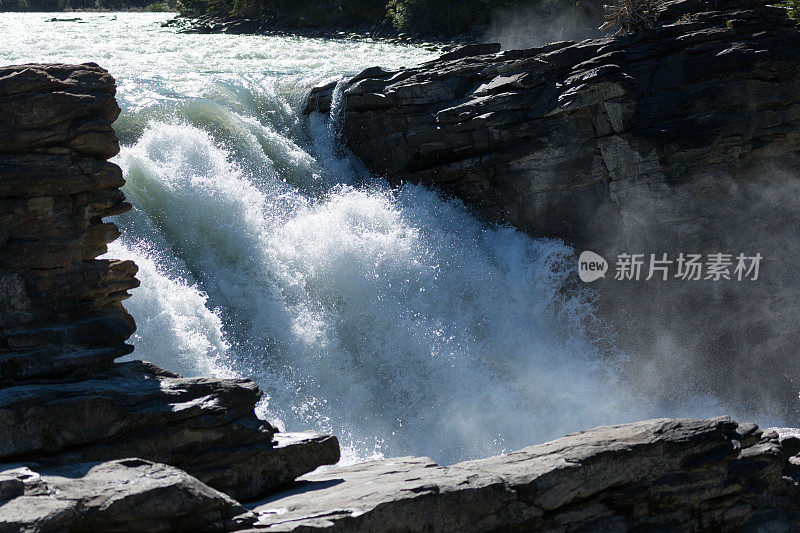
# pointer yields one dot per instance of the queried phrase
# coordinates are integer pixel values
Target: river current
(389, 317)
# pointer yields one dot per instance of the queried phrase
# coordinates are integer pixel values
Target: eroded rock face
(656, 475)
(61, 310)
(567, 139)
(62, 323)
(659, 475)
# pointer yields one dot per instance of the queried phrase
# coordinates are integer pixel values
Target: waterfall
(336, 115)
(390, 317)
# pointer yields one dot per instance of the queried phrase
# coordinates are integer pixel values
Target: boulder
(124, 495)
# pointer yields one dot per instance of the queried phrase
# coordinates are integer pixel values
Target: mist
(736, 341)
(537, 24)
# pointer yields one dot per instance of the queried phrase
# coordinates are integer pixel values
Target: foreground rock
(570, 140)
(202, 425)
(123, 495)
(63, 400)
(667, 475)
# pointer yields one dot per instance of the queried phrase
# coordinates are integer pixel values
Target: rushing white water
(390, 317)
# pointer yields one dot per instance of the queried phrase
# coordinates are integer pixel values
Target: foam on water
(390, 317)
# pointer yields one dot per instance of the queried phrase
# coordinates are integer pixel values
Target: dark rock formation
(61, 310)
(202, 425)
(566, 140)
(217, 24)
(237, 25)
(62, 324)
(659, 475)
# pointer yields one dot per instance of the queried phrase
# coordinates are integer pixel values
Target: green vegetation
(413, 16)
(159, 7)
(427, 15)
(793, 8)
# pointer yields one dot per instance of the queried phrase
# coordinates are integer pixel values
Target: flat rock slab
(656, 475)
(669, 474)
(124, 495)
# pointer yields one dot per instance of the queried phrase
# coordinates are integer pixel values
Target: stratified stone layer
(656, 475)
(61, 310)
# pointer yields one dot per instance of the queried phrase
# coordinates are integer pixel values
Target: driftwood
(630, 16)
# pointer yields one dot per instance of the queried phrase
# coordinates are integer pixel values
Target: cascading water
(389, 317)
(336, 114)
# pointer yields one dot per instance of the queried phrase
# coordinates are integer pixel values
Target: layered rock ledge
(63, 400)
(61, 307)
(657, 475)
(567, 140)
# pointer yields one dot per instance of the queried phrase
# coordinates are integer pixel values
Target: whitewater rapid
(391, 318)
